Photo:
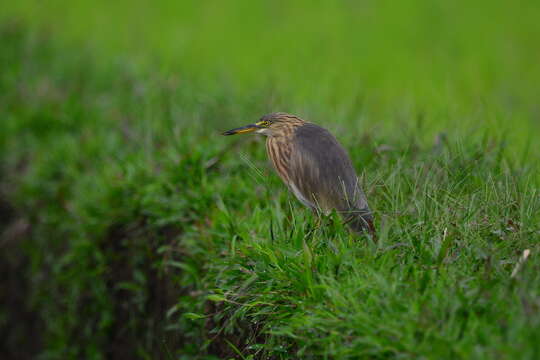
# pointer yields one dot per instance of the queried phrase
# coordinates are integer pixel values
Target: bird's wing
(322, 171)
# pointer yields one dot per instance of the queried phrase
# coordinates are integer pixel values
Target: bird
(314, 166)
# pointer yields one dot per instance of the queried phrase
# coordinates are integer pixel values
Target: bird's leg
(317, 222)
(322, 219)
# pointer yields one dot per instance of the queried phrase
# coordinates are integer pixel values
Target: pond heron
(314, 166)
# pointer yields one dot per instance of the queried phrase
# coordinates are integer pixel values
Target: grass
(130, 228)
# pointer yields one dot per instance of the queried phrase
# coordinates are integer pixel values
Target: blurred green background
(129, 228)
(457, 65)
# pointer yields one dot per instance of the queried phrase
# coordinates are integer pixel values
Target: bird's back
(323, 173)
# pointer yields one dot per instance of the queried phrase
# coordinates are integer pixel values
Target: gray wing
(322, 170)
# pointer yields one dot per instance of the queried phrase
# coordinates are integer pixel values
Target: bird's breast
(279, 152)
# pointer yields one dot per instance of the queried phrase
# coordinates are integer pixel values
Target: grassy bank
(130, 228)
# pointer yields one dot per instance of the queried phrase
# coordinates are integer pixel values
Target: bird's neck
(285, 131)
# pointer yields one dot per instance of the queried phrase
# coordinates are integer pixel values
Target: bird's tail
(360, 221)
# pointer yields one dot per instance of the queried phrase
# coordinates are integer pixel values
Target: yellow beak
(242, 130)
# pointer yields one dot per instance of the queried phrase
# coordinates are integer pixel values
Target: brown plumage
(314, 166)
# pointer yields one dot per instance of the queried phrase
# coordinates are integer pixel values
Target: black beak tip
(228, 132)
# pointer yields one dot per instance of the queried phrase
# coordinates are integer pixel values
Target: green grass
(131, 229)
(462, 67)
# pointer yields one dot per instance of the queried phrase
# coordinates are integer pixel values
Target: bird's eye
(264, 123)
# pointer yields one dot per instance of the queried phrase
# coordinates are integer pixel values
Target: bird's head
(274, 124)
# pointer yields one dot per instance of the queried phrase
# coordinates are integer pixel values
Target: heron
(314, 166)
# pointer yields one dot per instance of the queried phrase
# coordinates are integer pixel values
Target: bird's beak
(242, 130)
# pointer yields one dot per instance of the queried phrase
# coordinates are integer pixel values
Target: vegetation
(131, 229)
